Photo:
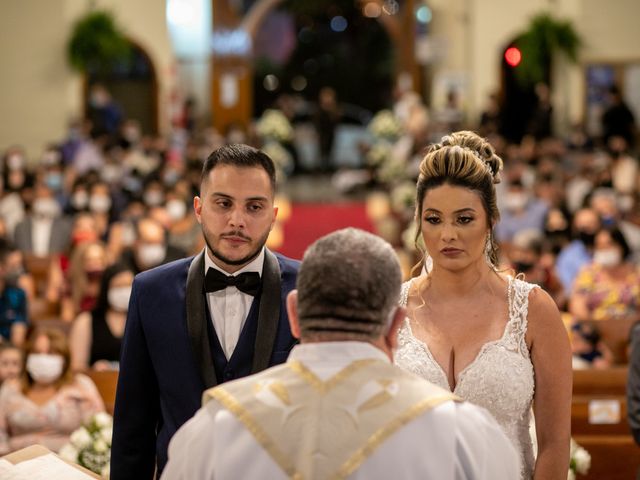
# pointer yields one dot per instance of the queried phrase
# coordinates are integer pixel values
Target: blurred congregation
(99, 168)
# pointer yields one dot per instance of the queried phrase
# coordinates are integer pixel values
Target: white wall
(39, 93)
(476, 32)
(35, 80)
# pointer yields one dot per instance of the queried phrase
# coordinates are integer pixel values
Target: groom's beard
(242, 261)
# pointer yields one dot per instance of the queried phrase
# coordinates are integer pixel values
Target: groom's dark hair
(242, 156)
(348, 287)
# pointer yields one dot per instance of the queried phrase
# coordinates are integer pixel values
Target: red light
(513, 56)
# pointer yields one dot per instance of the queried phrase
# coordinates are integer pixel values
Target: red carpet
(310, 221)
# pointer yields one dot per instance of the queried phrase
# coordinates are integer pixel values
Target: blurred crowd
(107, 202)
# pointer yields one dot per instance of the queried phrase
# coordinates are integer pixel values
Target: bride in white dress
(493, 340)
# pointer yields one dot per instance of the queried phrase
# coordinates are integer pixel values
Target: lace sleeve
(404, 293)
(519, 311)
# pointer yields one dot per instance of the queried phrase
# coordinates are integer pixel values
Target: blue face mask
(54, 181)
(608, 221)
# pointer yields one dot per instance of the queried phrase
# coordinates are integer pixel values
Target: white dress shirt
(230, 307)
(41, 236)
(453, 441)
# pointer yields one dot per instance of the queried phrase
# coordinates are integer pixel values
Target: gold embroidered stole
(316, 429)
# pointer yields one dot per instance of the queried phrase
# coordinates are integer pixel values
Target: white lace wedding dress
(500, 378)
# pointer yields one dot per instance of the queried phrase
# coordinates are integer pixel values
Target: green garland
(96, 43)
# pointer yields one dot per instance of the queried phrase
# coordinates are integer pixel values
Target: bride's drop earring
(487, 251)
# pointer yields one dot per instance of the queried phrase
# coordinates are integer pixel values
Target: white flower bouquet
(282, 159)
(393, 169)
(402, 198)
(274, 125)
(90, 445)
(580, 461)
(379, 153)
(384, 124)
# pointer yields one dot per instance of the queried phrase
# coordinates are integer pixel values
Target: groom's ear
(292, 311)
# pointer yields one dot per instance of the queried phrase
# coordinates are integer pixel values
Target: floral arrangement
(274, 126)
(281, 158)
(402, 198)
(90, 445)
(384, 124)
(580, 461)
(392, 170)
(379, 153)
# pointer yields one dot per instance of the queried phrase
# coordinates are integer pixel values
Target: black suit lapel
(268, 313)
(196, 320)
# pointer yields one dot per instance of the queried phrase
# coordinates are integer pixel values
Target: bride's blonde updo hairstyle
(462, 159)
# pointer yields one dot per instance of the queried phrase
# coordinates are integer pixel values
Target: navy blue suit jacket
(166, 359)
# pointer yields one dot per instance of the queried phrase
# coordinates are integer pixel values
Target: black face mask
(523, 266)
(588, 238)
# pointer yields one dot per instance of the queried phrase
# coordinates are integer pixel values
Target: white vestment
(235, 434)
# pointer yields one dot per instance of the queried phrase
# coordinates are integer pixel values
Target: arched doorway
(133, 86)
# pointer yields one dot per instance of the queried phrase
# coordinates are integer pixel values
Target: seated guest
(48, 402)
(13, 306)
(150, 247)
(15, 271)
(609, 287)
(369, 419)
(11, 361)
(86, 266)
(96, 336)
(587, 348)
(579, 252)
(44, 231)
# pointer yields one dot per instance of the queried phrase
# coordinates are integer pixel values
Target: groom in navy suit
(201, 321)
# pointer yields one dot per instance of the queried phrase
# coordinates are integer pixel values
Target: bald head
(348, 287)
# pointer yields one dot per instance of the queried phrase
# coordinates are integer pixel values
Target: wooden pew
(615, 335)
(614, 454)
(106, 382)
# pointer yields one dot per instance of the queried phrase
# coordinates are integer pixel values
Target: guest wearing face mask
(527, 255)
(609, 287)
(15, 272)
(87, 265)
(78, 200)
(521, 211)
(100, 206)
(185, 232)
(578, 253)
(122, 233)
(150, 248)
(96, 336)
(44, 231)
(48, 402)
(13, 306)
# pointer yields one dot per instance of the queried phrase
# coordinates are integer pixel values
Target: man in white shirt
(198, 322)
(338, 408)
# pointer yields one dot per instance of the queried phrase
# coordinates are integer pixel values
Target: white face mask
(151, 254)
(46, 207)
(80, 200)
(15, 162)
(607, 258)
(119, 298)
(45, 367)
(99, 203)
(153, 198)
(176, 209)
(111, 173)
(516, 201)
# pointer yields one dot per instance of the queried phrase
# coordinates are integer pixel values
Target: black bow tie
(247, 282)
